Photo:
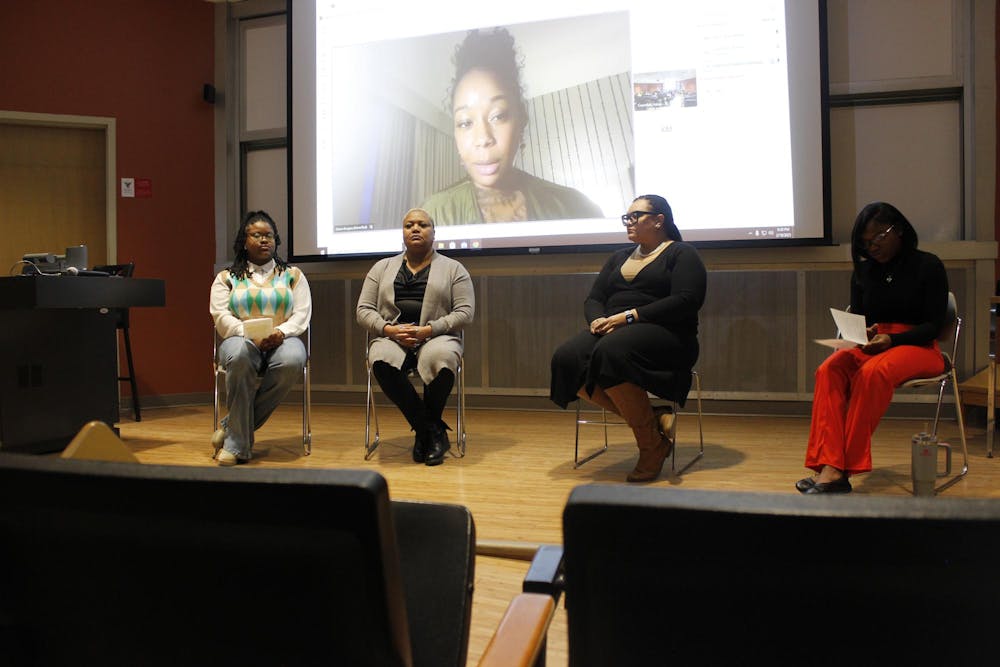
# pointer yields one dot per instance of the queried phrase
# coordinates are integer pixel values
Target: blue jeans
(256, 383)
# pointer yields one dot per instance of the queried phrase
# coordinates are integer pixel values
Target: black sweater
(668, 291)
(912, 288)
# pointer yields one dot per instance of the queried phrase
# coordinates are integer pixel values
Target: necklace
(639, 254)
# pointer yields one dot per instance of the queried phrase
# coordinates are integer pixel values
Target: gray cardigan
(449, 304)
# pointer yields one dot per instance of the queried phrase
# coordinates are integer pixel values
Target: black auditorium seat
(125, 564)
(661, 576)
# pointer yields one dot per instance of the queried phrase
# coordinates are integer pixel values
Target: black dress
(658, 351)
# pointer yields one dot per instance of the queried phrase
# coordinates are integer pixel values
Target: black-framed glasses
(261, 236)
(877, 239)
(633, 218)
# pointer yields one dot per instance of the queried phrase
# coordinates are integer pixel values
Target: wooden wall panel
(529, 316)
(52, 191)
(329, 363)
(823, 290)
(748, 332)
(756, 331)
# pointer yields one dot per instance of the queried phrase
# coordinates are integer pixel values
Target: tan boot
(666, 420)
(599, 398)
(654, 448)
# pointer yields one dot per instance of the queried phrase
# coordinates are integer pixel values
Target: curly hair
(661, 206)
(240, 267)
(493, 51)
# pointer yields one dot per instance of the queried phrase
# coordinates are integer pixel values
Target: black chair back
(121, 270)
(663, 576)
(115, 564)
(437, 552)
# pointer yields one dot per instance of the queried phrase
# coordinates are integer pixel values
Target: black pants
(418, 412)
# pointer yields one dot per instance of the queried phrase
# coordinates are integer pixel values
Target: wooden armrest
(520, 636)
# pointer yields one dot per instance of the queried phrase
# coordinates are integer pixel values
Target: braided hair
(240, 268)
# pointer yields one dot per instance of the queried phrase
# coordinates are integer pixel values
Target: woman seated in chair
(260, 372)
(415, 304)
(643, 334)
(903, 294)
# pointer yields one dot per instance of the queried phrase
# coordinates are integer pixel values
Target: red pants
(853, 391)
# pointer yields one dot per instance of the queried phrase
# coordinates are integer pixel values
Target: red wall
(142, 63)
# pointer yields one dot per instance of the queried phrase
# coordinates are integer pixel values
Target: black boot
(439, 444)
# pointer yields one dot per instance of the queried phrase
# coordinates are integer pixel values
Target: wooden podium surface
(59, 354)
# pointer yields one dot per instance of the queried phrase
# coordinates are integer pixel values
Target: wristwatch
(629, 317)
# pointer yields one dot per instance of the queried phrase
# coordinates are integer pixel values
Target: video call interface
(715, 105)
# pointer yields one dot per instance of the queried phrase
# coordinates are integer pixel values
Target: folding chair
(372, 444)
(949, 335)
(306, 389)
(603, 421)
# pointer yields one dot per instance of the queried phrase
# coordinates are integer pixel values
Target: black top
(912, 288)
(668, 291)
(410, 290)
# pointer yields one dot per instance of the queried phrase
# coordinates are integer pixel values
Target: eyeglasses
(260, 236)
(632, 218)
(877, 239)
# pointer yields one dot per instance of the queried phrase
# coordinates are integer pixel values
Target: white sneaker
(218, 439)
(225, 458)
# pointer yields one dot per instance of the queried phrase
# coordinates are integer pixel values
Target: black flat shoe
(842, 485)
(805, 484)
(438, 445)
(420, 448)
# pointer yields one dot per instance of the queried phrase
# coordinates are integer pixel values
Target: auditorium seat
(124, 564)
(665, 576)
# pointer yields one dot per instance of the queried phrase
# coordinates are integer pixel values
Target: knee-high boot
(654, 448)
(599, 398)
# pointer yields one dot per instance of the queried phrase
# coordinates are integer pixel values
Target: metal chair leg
(370, 444)
(701, 433)
(577, 461)
(460, 411)
(961, 431)
(131, 374)
(306, 410)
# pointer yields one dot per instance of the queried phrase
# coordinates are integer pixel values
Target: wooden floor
(518, 471)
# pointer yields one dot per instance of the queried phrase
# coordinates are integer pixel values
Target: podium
(59, 355)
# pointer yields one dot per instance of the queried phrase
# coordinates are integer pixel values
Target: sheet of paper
(258, 328)
(852, 326)
(836, 343)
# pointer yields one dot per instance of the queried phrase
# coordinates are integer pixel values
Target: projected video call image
(483, 126)
(528, 126)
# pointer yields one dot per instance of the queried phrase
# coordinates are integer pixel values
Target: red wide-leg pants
(853, 391)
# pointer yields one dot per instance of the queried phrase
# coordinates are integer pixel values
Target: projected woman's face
(488, 127)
